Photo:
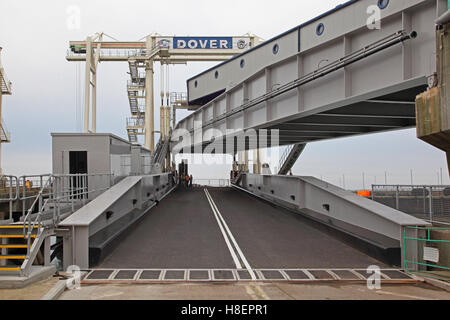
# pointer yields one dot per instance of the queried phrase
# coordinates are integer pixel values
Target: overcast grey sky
(35, 38)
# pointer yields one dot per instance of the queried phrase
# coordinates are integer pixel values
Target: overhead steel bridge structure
(334, 76)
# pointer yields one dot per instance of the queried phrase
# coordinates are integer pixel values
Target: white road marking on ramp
(238, 249)
(227, 241)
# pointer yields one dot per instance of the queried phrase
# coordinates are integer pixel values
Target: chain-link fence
(431, 203)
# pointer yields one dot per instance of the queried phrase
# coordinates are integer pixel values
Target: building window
(275, 48)
(320, 29)
(382, 4)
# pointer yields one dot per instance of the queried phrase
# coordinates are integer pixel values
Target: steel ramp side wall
(396, 75)
(131, 194)
(313, 196)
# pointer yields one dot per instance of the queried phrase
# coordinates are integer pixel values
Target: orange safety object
(364, 193)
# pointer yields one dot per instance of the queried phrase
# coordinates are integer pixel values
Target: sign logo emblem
(241, 44)
(164, 43)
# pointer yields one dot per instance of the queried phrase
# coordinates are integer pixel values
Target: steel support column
(149, 107)
(87, 83)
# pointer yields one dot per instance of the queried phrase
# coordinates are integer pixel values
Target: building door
(78, 165)
(77, 162)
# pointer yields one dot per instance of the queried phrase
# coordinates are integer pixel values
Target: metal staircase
(5, 87)
(5, 136)
(162, 148)
(237, 179)
(289, 157)
(53, 199)
(14, 246)
(136, 91)
(5, 84)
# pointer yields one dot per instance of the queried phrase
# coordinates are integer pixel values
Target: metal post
(256, 162)
(246, 161)
(11, 197)
(396, 198)
(167, 121)
(94, 101)
(431, 204)
(94, 84)
(83, 188)
(71, 193)
(87, 85)
(24, 189)
(424, 200)
(174, 116)
(162, 123)
(149, 103)
(364, 181)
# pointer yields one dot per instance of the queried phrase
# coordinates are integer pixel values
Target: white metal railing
(178, 98)
(9, 191)
(211, 182)
(135, 84)
(60, 191)
(136, 122)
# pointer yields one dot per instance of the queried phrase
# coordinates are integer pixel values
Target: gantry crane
(141, 56)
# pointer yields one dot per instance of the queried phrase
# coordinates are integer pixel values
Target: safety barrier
(430, 203)
(433, 247)
(211, 182)
(9, 192)
(55, 193)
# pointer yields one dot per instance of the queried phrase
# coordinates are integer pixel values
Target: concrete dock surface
(256, 291)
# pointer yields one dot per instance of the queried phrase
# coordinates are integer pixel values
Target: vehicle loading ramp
(182, 233)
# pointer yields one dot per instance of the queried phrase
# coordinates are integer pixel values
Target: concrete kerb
(59, 288)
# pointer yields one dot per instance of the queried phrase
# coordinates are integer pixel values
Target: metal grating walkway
(96, 276)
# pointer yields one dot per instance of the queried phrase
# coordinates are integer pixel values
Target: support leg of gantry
(94, 102)
(167, 121)
(258, 159)
(87, 84)
(162, 123)
(149, 108)
(246, 160)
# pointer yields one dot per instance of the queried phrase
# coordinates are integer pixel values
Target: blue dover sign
(203, 43)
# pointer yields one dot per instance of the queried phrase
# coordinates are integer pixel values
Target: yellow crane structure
(141, 57)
